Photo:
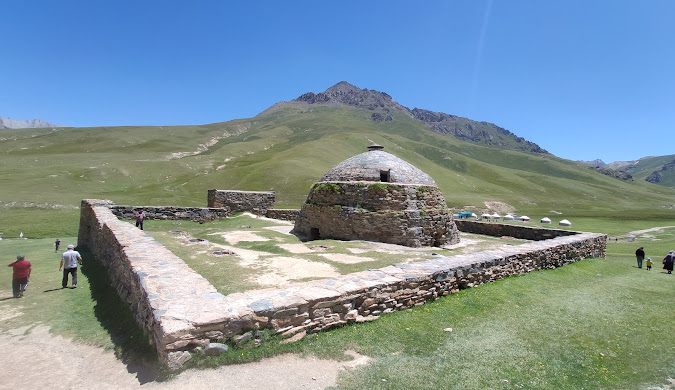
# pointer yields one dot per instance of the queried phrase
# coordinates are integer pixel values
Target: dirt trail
(36, 359)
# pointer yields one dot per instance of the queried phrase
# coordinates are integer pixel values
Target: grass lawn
(92, 313)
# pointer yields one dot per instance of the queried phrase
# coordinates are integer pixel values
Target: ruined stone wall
(283, 214)
(200, 214)
(403, 214)
(182, 312)
(257, 202)
(533, 233)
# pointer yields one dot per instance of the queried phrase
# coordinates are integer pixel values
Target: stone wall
(181, 311)
(257, 202)
(199, 214)
(533, 233)
(403, 214)
(283, 214)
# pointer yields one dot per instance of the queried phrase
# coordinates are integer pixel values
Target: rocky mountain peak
(384, 109)
(8, 123)
(341, 88)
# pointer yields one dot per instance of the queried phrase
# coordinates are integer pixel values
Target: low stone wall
(533, 233)
(199, 214)
(181, 311)
(257, 202)
(283, 214)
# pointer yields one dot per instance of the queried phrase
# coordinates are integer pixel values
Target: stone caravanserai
(377, 196)
(372, 196)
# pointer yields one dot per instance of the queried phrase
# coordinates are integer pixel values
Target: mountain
(382, 108)
(654, 169)
(595, 163)
(7, 123)
(47, 172)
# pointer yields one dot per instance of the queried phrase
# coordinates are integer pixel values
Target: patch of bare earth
(35, 359)
(500, 207)
(283, 270)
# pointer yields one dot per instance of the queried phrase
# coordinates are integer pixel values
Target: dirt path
(638, 232)
(33, 358)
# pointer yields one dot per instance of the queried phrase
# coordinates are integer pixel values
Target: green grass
(91, 314)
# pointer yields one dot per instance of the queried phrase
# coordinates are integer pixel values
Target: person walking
(69, 261)
(20, 275)
(57, 244)
(640, 254)
(649, 263)
(668, 262)
(140, 216)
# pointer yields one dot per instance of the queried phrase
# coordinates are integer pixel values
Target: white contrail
(479, 55)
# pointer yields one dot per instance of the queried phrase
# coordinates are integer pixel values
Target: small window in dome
(384, 176)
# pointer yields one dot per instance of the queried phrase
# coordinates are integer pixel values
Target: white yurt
(545, 220)
(508, 217)
(473, 215)
(486, 216)
(565, 222)
(524, 218)
(496, 216)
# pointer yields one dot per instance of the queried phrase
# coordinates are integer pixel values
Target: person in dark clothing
(640, 254)
(668, 262)
(140, 216)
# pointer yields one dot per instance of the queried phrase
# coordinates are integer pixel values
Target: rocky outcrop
(468, 130)
(621, 175)
(385, 107)
(657, 176)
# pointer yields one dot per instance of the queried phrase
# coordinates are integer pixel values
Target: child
(649, 263)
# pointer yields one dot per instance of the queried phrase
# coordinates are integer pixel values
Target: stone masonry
(403, 214)
(198, 214)
(257, 202)
(180, 310)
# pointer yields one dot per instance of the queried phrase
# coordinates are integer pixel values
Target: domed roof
(376, 165)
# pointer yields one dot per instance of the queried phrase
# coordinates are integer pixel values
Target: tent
(524, 218)
(545, 220)
(565, 222)
(496, 216)
(508, 217)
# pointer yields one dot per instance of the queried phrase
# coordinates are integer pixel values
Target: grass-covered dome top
(376, 165)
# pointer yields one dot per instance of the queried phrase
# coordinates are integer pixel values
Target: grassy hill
(646, 166)
(44, 173)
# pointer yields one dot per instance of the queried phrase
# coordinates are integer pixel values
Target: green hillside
(44, 173)
(658, 170)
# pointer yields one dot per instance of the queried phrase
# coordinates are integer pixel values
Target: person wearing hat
(668, 262)
(649, 263)
(69, 261)
(20, 276)
(640, 254)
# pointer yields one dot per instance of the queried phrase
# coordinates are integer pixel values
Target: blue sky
(583, 79)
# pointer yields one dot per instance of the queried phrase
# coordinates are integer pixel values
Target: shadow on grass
(131, 345)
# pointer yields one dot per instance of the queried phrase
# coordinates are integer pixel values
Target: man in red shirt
(21, 273)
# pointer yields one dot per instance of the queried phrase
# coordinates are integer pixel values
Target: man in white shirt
(69, 259)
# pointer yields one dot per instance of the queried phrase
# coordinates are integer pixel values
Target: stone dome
(376, 165)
